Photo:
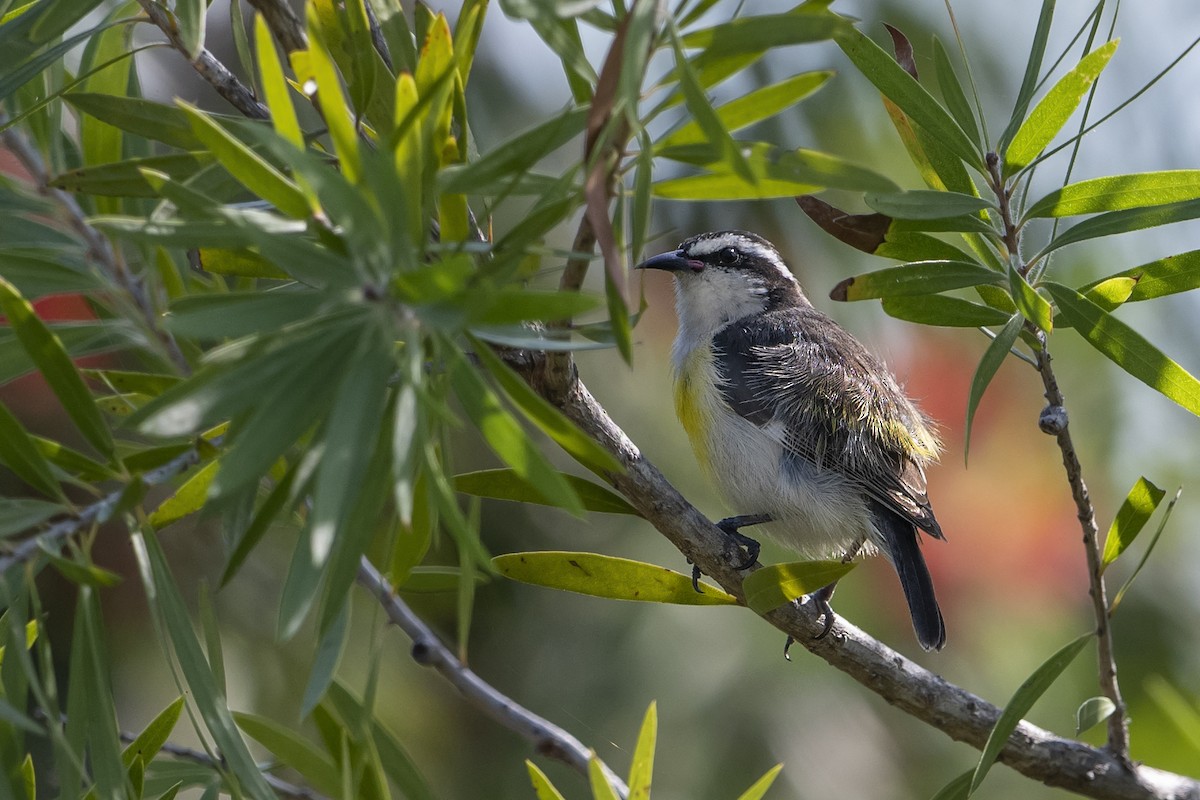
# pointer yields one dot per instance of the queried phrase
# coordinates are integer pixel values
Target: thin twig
(99, 250)
(377, 39)
(961, 715)
(283, 23)
(210, 68)
(285, 789)
(547, 738)
(1118, 724)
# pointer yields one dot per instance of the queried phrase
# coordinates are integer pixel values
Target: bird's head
(723, 276)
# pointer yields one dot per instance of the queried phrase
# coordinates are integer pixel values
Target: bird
(797, 425)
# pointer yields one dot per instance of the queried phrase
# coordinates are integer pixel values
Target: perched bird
(802, 430)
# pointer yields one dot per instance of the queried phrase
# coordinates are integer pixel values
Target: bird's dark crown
(744, 252)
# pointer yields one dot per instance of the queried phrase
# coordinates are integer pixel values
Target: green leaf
(911, 97)
(50, 357)
(937, 309)
(188, 499)
(275, 87)
(773, 585)
(754, 107)
(329, 653)
(189, 19)
(1170, 275)
(952, 92)
(126, 178)
(293, 750)
(1115, 222)
(607, 576)
(1162, 524)
(1178, 708)
(1033, 66)
(925, 204)
(641, 770)
(20, 514)
(601, 788)
(512, 157)
(959, 788)
(334, 106)
(1133, 515)
(542, 788)
(36, 275)
(1092, 712)
(164, 596)
(775, 173)
(432, 580)
(147, 743)
(1112, 293)
(1053, 111)
(549, 419)
(505, 484)
(219, 316)
(505, 436)
(1119, 192)
(907, 280)
(1032, 305)
(757, 34)
(760, 787)
(162, 123)
(510, 306)
(1126, 347)
(993, 357)
(19, 453)
(252, 170)
(1022, 700)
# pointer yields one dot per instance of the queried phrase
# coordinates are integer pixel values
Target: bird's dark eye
(728, 257)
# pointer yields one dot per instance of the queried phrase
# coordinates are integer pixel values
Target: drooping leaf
(776, 584)
(19, 453)
(1032, 305)
(606, 576)
(1162, 525)
(993, 357)
(907, 280)
(1053, 111)
(1022, 700)
(1127, 348)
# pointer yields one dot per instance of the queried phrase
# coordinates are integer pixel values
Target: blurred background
(1011, 577)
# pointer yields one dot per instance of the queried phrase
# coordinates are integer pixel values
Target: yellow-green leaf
(607, 576)
(188, 499)
(776, 584)
(1133, 515)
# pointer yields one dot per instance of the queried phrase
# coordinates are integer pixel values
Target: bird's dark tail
(902, 548)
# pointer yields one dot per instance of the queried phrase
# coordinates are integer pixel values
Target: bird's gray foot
(821, 598)
(743, 544)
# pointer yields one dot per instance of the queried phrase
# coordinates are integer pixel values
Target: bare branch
(547, 738)
(212, 70)
(961, 715)
(1118, 723)
(285, 26)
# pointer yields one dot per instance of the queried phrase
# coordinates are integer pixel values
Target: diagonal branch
(547, 738)
(961, 715)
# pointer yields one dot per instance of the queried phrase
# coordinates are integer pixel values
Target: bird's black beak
(675, 261)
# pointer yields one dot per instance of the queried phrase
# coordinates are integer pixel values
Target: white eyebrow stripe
(710, 245)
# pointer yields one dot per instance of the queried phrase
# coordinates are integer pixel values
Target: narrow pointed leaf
(334, 107)
(19, 453)
(760, 787)
(543, 789)
(641, 771)
(1127, 348)
(601, 788)
(755, 34)
(907, 280)
(993, 357)
(188, 499)
(515, 155)
(162, 123)
(1170, 275)
(189, 17)
(1162, 525)
(147, 743)
(952, 92)
(925, 204)
(20, 514)
(1024, 698)
(275, 87)
(505, 484)
(911, 97)
(1132, 516)
(293, 750)
(942, 310)
(50, 357)
(607, 576)
(1119, 192)
(1132, 219)
(758, 105)
(1178, 708)
(776, 584)
(1053, 111)
(1032, 305)
(1033, 68)
(1112, 293)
